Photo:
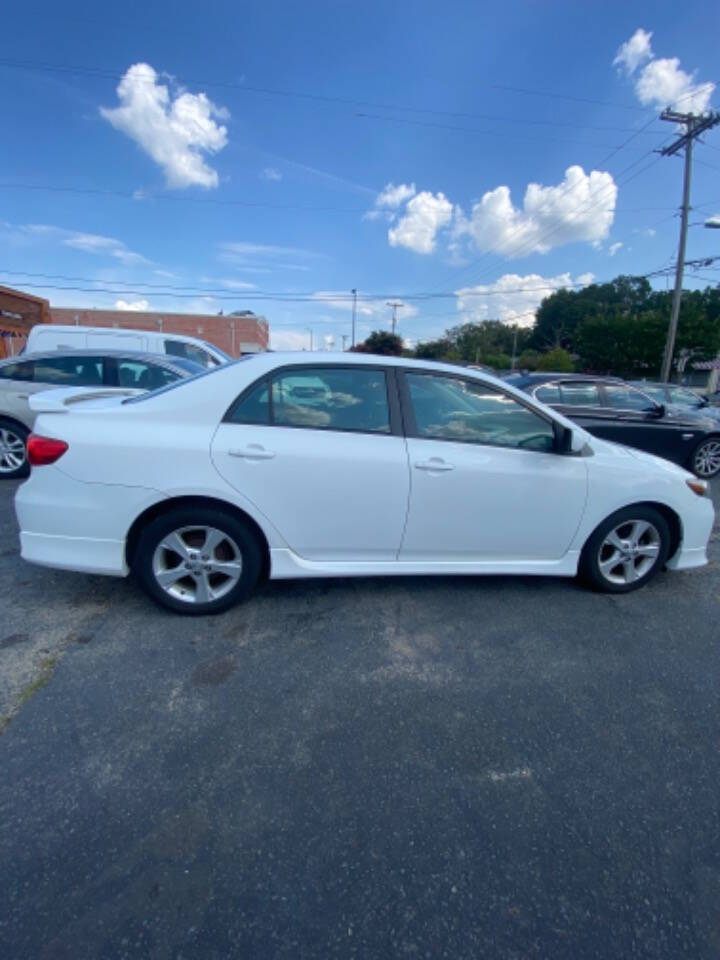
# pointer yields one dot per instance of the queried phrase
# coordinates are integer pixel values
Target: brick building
(235, 333)
(18, 312)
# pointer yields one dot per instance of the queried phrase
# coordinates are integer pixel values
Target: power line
(141, 197)
(485, 133)
(107, 74)
(565, 96)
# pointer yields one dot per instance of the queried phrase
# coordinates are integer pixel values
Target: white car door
(486, 482)
(320, 452)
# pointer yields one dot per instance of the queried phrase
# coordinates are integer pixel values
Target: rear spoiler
(62, 399)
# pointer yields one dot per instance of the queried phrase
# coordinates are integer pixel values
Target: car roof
(160, 359)
(546, 377)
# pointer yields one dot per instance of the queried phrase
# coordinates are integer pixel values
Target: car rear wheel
(705, 461)
(13, 450)
(626, 550)
(197, 561)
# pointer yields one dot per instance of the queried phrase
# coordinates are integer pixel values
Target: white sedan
(296, 465)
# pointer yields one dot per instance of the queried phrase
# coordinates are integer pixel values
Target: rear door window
(323, 398)
(579, 394)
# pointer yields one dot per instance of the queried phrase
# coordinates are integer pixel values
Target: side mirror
(563, 438)
(659, 410)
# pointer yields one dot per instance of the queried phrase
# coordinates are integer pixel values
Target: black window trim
(391, 389)
(411, 430)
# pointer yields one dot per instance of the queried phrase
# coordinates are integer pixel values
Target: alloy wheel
(12, 451)
(197, 564)
(629, 551)
(706, 461)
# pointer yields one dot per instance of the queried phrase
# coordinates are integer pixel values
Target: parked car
(614, 410)
(49, 336)
(21, 377)
(398, 467)
(679, 398)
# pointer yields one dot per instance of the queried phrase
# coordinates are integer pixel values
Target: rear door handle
(434, 464)
(253, 451)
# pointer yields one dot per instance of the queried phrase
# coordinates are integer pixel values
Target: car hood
(688, 418)
(618, 451)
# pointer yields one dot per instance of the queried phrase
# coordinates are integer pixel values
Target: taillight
(42, 451)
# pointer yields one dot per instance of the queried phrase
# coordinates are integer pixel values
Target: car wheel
(197, 561)
(626, 550)
(705, 461)
(13, 450)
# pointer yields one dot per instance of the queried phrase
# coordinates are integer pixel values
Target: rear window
(190, 351)
(17, 371)
(142, 397)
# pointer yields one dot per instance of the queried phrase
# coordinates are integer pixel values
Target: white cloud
(614, 247)
(87, 242)
(585, 279)
(662, 82)
(270, 173)
(132, 305)
(581, 208)
(166, 274)
(267, 257)
(388, 200)
(512, 298)
(175, 132)
(424, 215)
(394, 196)
(634, 51)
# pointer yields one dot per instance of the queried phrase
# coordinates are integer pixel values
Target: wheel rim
(197, 564)
(629, 552)
(707, 459)
(12, 451)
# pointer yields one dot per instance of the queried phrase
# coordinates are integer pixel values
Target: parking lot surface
(432, 767)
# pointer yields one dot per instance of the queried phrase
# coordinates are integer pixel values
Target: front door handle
(253, 451)
(434, 464)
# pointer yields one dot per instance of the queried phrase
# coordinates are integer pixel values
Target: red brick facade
(234, 335)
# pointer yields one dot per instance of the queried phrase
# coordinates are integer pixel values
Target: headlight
(700, 487)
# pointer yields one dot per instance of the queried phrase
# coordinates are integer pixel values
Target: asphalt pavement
(422, 768)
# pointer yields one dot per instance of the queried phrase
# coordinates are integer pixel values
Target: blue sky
(206, 157)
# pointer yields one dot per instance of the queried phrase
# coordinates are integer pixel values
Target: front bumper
(697, 525)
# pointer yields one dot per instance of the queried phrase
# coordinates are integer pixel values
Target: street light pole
(354, 313)
(309, 329)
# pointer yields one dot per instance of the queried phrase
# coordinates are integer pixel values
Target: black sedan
(614, 410)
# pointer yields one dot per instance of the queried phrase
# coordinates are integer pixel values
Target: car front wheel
(705, 461)
(197, 561)
(626, 550)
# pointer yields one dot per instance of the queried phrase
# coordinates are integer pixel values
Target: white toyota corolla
(297, 465)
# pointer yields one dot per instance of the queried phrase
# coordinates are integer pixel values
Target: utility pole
(514, 353)
(394, 304)
(354, 313)
(309, 329)
(694, 126)
(344, 340)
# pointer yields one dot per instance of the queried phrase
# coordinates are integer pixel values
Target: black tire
(150, 557)
(596, 550)
(11, 428)
(705, 458)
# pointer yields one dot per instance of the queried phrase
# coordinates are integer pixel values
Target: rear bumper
(72, 525)
(84, 554)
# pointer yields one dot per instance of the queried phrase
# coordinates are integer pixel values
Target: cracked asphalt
(432, 768)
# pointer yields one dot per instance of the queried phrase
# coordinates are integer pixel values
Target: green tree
(557, 360)
(381, 342)
(441, 349)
